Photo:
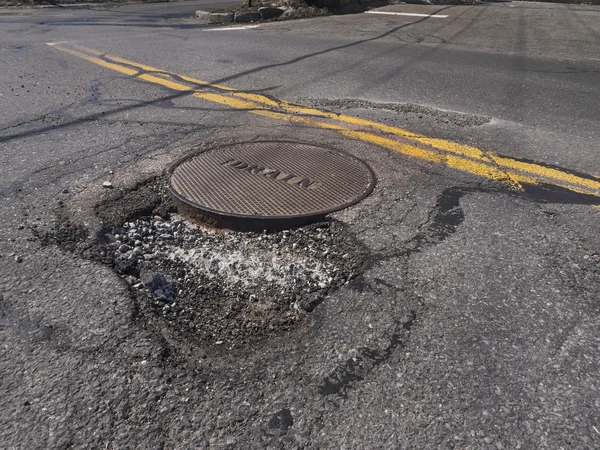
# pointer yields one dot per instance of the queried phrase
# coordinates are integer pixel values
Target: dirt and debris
(212, 286)
(291, 9)
(299, 9)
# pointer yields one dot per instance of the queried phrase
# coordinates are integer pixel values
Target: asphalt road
(473, 323)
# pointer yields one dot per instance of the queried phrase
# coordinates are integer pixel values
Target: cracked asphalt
(472, 322)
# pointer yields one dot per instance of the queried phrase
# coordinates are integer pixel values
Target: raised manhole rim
(220, 213)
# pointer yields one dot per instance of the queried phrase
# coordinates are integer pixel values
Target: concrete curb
(264, 13)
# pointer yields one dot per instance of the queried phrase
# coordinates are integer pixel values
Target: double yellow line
(514, 172)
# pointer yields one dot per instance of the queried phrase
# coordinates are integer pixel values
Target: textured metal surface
(271, 180)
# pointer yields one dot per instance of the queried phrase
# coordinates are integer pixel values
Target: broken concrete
(244, 17)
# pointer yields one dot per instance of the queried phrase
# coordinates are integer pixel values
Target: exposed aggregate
(225, 287)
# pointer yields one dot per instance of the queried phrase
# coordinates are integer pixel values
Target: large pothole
(220, 287)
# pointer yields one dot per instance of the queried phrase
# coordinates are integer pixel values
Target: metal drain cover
(271, 181)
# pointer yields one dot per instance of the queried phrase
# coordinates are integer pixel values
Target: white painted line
(246, 27)
(390, 13)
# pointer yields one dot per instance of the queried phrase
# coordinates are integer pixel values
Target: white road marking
(438, 16)
(245, 27)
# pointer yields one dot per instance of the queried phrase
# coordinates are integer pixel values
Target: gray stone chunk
(220, 17)
(269, 12)
(203, 14)
(246, 17)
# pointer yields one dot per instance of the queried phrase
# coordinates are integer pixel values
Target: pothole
(214, 286)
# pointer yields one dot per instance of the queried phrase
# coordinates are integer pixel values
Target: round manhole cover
(272, 180)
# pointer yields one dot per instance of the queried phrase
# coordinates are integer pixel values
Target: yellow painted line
(441, 144)
(453, 161)
(93, 59)
(460, 149)
(461, 157)
(141, 66)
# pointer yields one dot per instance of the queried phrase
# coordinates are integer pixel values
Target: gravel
(209, 286)
(221, 287)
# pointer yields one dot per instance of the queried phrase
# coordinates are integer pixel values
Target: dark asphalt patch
(548, 193)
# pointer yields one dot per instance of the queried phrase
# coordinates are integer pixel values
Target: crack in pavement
(457, 118)
(357, 368)
(443, 220)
